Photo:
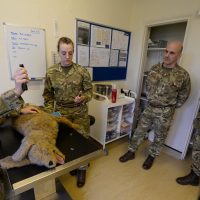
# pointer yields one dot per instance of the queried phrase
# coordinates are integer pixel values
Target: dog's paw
(7, 162)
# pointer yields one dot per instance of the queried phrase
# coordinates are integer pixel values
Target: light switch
(55, 26)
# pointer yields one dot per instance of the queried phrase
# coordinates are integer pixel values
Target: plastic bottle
(114, 93)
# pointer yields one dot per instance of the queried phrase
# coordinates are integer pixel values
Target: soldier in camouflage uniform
(168, 87)
(193, 177)
(11, 105)
(68, 89)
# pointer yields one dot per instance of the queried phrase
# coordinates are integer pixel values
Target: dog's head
(39, 153)
(45, 155)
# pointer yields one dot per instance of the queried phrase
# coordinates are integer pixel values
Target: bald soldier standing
(68, 89)
(168, 87)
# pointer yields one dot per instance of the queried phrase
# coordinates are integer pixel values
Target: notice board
(104, 49)
(26, 45)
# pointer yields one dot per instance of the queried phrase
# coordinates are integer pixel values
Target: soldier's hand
(20, 76)
(29, 110)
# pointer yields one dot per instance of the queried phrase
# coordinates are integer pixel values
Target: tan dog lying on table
(40, 131)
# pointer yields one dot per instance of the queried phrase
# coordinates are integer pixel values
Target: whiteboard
(26, 45)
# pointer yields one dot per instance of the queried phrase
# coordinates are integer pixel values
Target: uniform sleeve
(196, 122)
(87, 86)
(10, 105)
(184, 91)
(48, 95)
(151, 77)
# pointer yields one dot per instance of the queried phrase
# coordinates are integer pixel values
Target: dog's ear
(60, 157)
(23, 150)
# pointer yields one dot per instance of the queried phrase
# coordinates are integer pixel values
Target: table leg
(45, 189)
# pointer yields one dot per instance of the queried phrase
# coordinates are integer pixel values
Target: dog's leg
(22, 151)
(8, 163)
(66, 121)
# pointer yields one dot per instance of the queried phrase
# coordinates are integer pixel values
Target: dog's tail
(66, 121)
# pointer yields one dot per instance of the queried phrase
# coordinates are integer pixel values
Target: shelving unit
(156, 49)
(113, 120)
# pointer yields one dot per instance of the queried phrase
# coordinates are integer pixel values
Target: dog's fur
(38, 145)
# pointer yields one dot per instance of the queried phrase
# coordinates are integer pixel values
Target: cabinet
(154, 46)
(113, 120)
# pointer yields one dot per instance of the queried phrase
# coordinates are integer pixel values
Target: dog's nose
(50, 163)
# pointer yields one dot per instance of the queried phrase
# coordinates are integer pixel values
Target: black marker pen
(24, 85)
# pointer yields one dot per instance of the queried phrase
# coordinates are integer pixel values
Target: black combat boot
(81, 177)
(190, 179)
(148, 162)
(73, 172)
(129, 155)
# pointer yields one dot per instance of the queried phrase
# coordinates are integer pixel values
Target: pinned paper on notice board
(55, 57)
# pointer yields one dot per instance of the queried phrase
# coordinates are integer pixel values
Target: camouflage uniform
(62, 85)
(196, 147)
(10, 105)
(167, 89)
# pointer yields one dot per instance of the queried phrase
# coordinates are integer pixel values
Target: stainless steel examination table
(35, 182)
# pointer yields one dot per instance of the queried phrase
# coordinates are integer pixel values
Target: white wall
(42, 13)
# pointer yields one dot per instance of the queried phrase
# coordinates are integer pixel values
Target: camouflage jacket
(167, 86)
(10, 105)
(62, 86)
(196, 122)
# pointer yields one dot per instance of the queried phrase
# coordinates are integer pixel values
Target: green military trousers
(196, 153)
(157, 118)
